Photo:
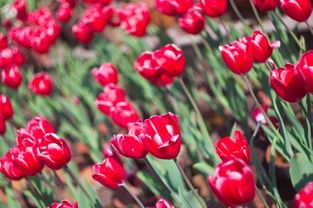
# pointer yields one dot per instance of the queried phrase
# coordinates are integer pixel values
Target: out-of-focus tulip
(236, 147)
(6, 109)
(105, 74)
(3, 41)
(20, 8)
(305, 69)
(258, 116)
(124, 114)
(110, 172)
(238, 57)
(287, 83)
(266, 5)
(11, 76)
(53, 151)
(64, 12)
(214, 8)
(299, 10)
(162, 203)
(64, 204)
(82, 32)
(9, 169)
(41, 84)
(304, 198)
(2, 125)
(233, 183)
(39, 126)
(173, 7)
(193, 21)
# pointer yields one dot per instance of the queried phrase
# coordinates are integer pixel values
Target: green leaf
(301, 170)
(204, 168)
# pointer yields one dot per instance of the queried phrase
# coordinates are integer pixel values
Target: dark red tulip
(41, 84)
(233, 183)
(2, 125)
(236, 147)
(130, 145)
(305, 69)
(214, 8)
(266, 5)
(64, 12)
(3, 41)
(11, 76)
(193, 21)
(259, 117)
(299, 10)
(304, 198)
(110, 172)
(162, 137)
(107, 100)
(39, 126)
(238, 57)
(287, 83)
(82, 32)
(6, 109)
(53, 151)
(174, 7)
(124, 113)
(18, 58)
(105, 74)
(64, 204)
(261, 48)
(20, 8)
(162, 203)
(9, 169)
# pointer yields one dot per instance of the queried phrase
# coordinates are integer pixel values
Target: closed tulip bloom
(109, 173)
(305, 69)
(53, 151)
(233, 183)
(11, 76)
(266, 5)
(258, 116)
(24, 138)
(124, 113)
(41, 84)
(287, 83)
(64, 12)
(6, 109)
(238, 57)
(174, 7)
(64, 204)
(2, 125)
(163, 203)
(193, 21)
(236, 147)
(9, 169)
(39, 126)
(82, 32)
(162, 137)
(299, 10)
(214, 8)
(105, 74)
(304, 198)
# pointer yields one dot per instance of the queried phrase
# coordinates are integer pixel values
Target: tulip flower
(287, 83)
(6, 109)
(266, 5)
(299, 10)
(109, 173)
(64, 204)
(238, 57)
(193, 21)
(304, 67)
(105, 74)
(236, 147)
(162, 203)
(2, 125)
(258, 116)
(162, 137)
(64, 12)
(41, 84)
(39, 126)
(304, 198)
(24, 138)
(9, 169)
(214, 8)
(174, 7)
(53, 151)
(233, 183)
(11, 76)
(3, 41)
(82, 32)
(124, 114)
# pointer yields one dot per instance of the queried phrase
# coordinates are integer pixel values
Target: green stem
(242, 20)
(197, 50)
(126, 186)
(309, 27)
(256, 14)
(308, 103)
(226, 29)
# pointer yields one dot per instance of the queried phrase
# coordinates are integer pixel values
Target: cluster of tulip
(37, 145)
(6, 112)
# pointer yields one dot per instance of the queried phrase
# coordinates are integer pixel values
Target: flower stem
(309, 27)
(242, 20)
(126, 186)
(261, 197)
(256, 14)
(226, 29)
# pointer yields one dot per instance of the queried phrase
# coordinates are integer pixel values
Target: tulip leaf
(204, 168)
(188, 200)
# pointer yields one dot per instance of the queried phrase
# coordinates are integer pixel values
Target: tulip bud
(299, 10)
(304, 67)
(11, 76)
(162, 203)
(41, 84)
(64, 204)
(287, 83)
(2, 125)
(233, 183)
(214, 8)
(193, 21)
(105, 74)
(236, 147)
(124, 114)
(304, 198)
(266, 5)
(173, 7)
(53, 151)
(39, 126)
(9, 169)
(6, 108)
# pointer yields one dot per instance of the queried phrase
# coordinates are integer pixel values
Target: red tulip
(124, 113)
(305, 69)
(64, 12)
(130, 145)
(266, 5)
(2, 125)
(261, 48)
(97, 16)
(6, 109)
(238, 57)
(9, 169)
(11, 76)
(82, 32)
(173, 7)
(236, 147)
(162, 137)
(299, 10)
(214, 8)
(41, 84)
(109, 173)
(105, 74)
(21, 9)
(3, 41)
(162, 203)
(64, 204)
(193, 21)
(53, 151)
(304, 198)
(72, 3)
(233, 183)
(18, 58)
(6, 57)
(24, 138)
(259, 117)
(287, 83)
(39, 126)
(107, 100)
